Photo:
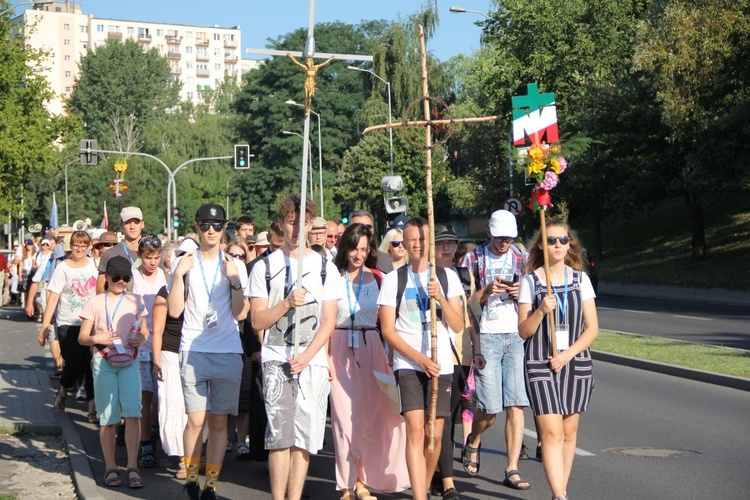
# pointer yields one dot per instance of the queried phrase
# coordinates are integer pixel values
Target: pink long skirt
(370, 439)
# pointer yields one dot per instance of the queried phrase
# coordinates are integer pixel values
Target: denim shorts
(148, 380)
(117, 391)
(501, 383)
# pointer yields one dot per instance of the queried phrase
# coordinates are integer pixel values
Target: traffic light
(88, 153)
(346, 214)
(175, 217)
(241, 156)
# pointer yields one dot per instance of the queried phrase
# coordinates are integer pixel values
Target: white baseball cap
(503, 223)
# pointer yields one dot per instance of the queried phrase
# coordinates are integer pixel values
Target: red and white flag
(105, 219)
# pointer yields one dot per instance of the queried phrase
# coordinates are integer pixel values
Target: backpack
(403, 275)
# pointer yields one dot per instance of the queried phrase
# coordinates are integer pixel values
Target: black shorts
(414, 390)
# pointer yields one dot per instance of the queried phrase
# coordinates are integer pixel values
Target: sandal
(93, 418)
(112, 478)
(181, 471)
(466, 452)
(364, 494)
(59, 405)
(243, 452)
(134, 482)
(348, 494)
(450, 494)
(515, 484)
(147, 459)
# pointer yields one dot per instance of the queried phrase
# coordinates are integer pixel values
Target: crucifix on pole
(428, 124)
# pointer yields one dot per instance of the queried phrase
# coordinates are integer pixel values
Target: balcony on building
(174, 39)
(230, 44)
(202, 57)
(174, 56)
(115, 35)
(230, 59)
(144, 38)
(202, 42)
(203, 72)
(176, 71)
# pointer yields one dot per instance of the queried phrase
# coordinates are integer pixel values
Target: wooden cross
(427, 123)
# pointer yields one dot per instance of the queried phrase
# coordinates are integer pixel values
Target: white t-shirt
(148, 290)
(278, 341)
(224, 336)
(499, 313)
(75, 286)
(526, 287)
(409, 320)
(365, 309)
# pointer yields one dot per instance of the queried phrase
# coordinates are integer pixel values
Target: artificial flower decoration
(543, 163)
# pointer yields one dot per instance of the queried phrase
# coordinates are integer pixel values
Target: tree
(119, 80)
(28, 133)
(696, 55)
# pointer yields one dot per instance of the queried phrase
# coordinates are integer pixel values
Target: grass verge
(724, 360)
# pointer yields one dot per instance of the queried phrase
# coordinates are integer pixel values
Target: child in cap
(112, 324)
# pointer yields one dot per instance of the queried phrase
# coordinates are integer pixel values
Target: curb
(739, 383)
(711, 296)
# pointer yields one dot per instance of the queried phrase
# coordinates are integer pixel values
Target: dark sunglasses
(564, 240)
(117, 279)
(106, 244)
(217, 225)
(396, 244)
(154, 241)
(240, 256)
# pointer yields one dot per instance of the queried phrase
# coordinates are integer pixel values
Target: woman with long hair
(393, 245)
(559, 386)
(369, 444)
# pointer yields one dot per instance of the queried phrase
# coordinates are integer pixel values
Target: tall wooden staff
(431, 223)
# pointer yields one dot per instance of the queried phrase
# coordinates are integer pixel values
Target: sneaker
(209, 494)
(524, 453)
(81, 394)
(243, 452)
(192, 491)
(229, 444)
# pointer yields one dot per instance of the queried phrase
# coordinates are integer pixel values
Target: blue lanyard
(353, 307)
(422, 301)
(127, 253)
(203, 275)
(562, 305)
(106, 310)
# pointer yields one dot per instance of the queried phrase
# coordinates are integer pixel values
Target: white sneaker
(81, 394)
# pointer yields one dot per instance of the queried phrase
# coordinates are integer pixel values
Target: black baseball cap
(119, 266)
(210, 211)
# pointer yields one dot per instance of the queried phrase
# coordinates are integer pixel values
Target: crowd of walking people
(215, 343)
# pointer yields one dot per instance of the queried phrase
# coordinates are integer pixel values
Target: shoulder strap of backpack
(465, 276)
(268, 274)
(378, 274)
(442, 277)
(323, 270)
(402, 276)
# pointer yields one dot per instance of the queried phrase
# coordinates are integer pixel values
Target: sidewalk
(714, 296)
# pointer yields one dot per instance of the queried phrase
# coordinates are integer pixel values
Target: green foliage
(118, 80)
(28, 132)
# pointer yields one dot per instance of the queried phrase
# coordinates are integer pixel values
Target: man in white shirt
(295, 388)
(405, 323)
(210, 347)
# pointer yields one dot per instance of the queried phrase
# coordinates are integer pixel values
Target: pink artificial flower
(550, 181)
(563, 164)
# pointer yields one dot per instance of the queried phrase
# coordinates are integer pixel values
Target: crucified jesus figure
(311, 71)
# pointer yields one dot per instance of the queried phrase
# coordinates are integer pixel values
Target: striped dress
(569, 390)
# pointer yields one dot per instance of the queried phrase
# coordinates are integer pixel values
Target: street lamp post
(390, 118)
(461, 10)
(286, 132)
(13, 7)
(320, 153)
(67, 221)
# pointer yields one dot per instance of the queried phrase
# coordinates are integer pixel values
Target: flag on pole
(53, 222)
(105, 219)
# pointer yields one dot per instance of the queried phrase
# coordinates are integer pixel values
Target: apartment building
(199, 56)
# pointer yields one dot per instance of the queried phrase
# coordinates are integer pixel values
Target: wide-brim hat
(106, 238)
(262, 240)
(443, 233)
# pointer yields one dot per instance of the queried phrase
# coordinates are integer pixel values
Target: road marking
(636, 312)
(579, 451)
(691, 317)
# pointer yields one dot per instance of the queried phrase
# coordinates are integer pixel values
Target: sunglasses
(106, 244)
(117, 279)
(564, 240)
(217, 225)
(396, 244)
(154, 241)
(240, 256)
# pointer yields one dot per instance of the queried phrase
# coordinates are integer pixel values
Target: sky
(264, 19)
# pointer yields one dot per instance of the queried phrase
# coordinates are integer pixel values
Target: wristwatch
(237, 286)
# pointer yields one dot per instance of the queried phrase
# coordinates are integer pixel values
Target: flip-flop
(466, 452)
(59, 405)
(134, 482)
